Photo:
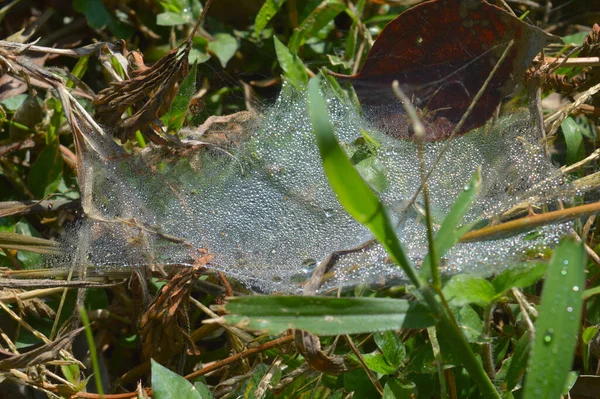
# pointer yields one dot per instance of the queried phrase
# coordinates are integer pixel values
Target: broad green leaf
(450, 232)
(46, 172)
(379, 364)
(557, 327)
(573, 139)
(292, 66)
(313, 23)
(521, 276)
(470, 324)
(391, 346)
(576, 38)
(29, 114)
(325, 315)
(589, 334)
(357, 381)
(170, 18)
(265, 14)
(352, 191)
(179, 107)
(205, 393)
(13, 103)
(463, 289)
(98, 17)
(224, 47)
(169, 385)
(396, 389)
(373, 172)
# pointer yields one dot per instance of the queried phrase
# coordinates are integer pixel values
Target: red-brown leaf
(441, 52)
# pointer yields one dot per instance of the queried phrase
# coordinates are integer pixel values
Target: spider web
(262, 205)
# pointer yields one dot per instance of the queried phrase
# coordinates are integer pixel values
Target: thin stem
(462, 121)
(90, 338)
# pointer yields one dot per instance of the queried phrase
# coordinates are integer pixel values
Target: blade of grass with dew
(326, 315)
(451, 231)
(361, 203)
(557, 327)
(352, 191)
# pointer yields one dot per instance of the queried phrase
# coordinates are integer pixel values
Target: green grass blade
(451, 231)
(352, 191)
(93, 354)
(557, 327)
(325, 315)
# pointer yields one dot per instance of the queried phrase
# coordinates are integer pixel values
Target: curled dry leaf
(41, 355)
(442, 52)
(164, 327)
(149, 91)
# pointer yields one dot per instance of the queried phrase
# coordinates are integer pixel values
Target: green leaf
(391, 346)
(169, 385)
(463, 289)
(95, 12)
(470, 324)
(521, 276)
(373, 172)
(573, 139)
(576, 38)
(358, 382)
(174, 119)
(170, 18)
(98, 17)
(46, 172)
(396, 389)
(450, 232)
(557, 327)
(13, 103)
(589, 334)
(317, 20)
(224, 47)
(379, 364)
(292, 66)
(29, 114)
(265, 14)
(257, 374)
(518, 363)
(205, 393)
(352, 191)
(325, 315)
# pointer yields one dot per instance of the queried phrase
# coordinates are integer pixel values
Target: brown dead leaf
(164, 327)
(41, 355)
(149, 91)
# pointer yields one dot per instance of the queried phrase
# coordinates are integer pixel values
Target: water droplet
(329, 212)
(548, 336)
(575, 288)
(565, 262)
(563, 272)
(569, 309)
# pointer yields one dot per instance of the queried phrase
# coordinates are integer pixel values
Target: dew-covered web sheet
(263, 207)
